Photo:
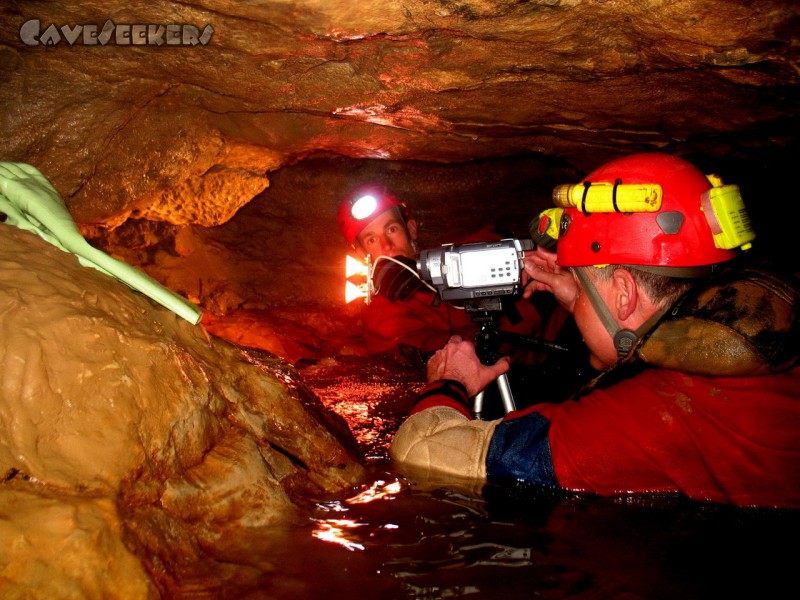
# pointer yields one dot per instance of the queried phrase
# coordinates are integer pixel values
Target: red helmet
(678, 232)
(363, 205)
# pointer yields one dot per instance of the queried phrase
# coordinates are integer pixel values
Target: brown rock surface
(119, 419)
(187, 134)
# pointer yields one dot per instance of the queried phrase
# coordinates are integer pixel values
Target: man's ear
(411, 225)
(626, 293)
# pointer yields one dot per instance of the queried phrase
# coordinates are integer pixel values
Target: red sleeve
(730, 439)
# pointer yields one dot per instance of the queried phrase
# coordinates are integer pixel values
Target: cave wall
(216, 162)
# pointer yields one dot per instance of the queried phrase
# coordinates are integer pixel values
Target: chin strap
(624, 339)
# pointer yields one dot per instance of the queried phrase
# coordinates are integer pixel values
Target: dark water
(432, 543)
(401, 538)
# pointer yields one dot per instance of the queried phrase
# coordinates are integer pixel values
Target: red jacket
(732, 439)
(415, 322)
(726, 428)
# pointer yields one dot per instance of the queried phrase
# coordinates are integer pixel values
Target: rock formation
(127, 434)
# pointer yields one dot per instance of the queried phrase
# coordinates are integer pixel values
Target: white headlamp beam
(364, 207)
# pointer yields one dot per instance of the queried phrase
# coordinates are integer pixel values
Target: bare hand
(542, 273)
(458, 361)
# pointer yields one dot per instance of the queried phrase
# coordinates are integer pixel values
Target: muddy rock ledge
(132, 444)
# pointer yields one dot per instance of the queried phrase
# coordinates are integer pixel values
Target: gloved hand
(395, 282)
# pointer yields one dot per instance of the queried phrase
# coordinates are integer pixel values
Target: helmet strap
(624, 339)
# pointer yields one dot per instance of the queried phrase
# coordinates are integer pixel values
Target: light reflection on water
(373, 396)
(400, 537)
(337, 530)
(415, 541)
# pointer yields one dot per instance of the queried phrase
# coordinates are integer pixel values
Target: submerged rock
(132, 441)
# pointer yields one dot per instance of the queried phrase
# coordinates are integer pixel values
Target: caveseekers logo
(120, 34)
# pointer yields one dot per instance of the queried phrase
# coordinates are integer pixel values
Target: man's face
(598, 340)
(388, 235)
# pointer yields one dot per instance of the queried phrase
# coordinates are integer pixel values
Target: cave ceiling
(182, 113)
(190, 132)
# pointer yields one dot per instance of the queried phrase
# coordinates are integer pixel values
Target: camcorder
(477, 270)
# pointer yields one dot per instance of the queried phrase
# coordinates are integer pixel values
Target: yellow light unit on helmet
(609, 197)
(364, 207)
(727, 216)
(544, 227)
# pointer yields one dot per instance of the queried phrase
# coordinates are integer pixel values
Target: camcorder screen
(475, 270)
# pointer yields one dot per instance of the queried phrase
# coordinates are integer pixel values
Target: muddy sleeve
(441, 440)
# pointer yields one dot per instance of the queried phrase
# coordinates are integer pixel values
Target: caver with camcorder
(415, 300)
(482, 278)
(484, 275)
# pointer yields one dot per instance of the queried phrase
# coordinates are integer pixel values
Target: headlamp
(591, 197)
(722, 205)
(544, 227)
(726, 215)
(364, 207)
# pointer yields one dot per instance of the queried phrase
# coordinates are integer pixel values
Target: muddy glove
(394, 281)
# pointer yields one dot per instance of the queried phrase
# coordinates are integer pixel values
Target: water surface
(398, 537)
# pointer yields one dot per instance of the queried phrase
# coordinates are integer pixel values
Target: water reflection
(372, 395)
(338, 530)
(396, 538)
(333, 530)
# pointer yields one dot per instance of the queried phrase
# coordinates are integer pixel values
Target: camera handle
(486, 312)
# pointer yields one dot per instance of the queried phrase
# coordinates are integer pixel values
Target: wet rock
(113, 409)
